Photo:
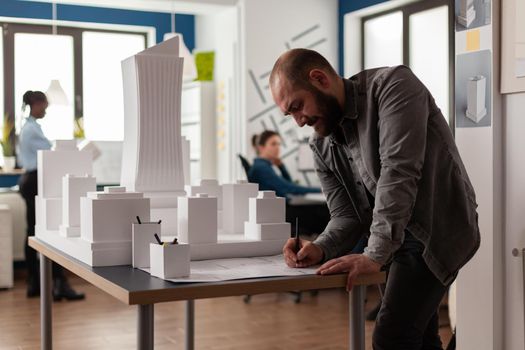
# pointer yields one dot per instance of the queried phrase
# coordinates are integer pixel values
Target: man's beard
(330, 112)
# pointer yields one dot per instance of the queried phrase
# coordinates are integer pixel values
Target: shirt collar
(350, 106)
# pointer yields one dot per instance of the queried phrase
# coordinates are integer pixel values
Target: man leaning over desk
(390, 170)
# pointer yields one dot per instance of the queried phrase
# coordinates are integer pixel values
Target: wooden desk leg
(357, 317)
(190, 324)
(46, 327)
(145, 333)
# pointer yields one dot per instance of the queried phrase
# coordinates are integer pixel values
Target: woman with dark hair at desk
(312, 218)
(31, 140)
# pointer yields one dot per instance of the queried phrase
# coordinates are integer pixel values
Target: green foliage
(7, 129)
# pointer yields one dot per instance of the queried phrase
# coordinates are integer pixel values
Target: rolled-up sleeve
(403, 107)
(343, 231)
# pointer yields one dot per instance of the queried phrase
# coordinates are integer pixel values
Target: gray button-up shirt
(394, 141)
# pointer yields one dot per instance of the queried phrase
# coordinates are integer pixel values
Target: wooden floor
(271, 321)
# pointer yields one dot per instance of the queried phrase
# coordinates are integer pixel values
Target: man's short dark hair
(295, 66)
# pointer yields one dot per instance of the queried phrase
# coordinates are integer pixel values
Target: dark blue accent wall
(346, 6)
(184, 24)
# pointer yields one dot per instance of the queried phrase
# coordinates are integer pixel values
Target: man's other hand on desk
(309, 254)
(354, 264)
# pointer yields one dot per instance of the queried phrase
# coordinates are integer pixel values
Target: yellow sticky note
(473, 40)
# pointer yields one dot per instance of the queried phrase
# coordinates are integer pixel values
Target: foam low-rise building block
(267, 218)
(235, 205)
(197, 219)
(73, 188)
(107, 216)
(48, 213)
(169, 260)
(208, 186)
(267, 208)
(54, 164)
(142, 236)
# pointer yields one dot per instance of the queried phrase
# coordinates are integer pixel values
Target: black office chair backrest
(245, 164)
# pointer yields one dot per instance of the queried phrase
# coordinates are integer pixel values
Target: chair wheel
(247, 299)
(314, 292)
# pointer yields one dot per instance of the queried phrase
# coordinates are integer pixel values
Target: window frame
(12, 28)
(408, 10)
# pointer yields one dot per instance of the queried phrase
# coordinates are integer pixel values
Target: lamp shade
(190, 70)
(56, 94)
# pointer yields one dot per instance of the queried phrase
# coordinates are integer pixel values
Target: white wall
(220, 32)
(514, 133)
(271, 27)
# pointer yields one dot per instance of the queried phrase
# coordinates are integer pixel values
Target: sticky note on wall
(473, 40)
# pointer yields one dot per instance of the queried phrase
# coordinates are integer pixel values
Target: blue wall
(346, 6)
(184, 24)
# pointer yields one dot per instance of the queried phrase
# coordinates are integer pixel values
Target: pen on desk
(158, 239)
(297, 239)
(138, 220)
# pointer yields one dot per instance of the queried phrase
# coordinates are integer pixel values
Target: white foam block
(168, 216)
(197, 219)
(74, 187)
(265, 232)
(48, 212)
(53, 165)
(208, 186)
(142, 236)
(106, 219)
(235, 205)
(267, 208)
(169, 260)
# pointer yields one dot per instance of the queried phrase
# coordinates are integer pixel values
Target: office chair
(245, 164)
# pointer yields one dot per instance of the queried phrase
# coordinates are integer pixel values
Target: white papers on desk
(241, 268)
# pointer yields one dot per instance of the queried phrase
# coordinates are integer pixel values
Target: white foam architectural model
(235, 205)
(186, 160)
(142, 235)
(476, 90)
(197, 219)
(73, 188)
(64, 158)
(267, 218)
(169, 260)
(213, 189)
(152, 160)
(467, 13)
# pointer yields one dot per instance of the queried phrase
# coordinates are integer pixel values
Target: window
(39, 58)
(384, 34)
(87, 64)
(103, 100)
(418, 35)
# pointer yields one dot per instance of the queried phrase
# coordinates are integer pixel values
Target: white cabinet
(198, 120)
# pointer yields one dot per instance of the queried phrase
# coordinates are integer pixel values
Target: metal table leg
(190, 324)
(357, 317)
(145, 327)
(46, 329)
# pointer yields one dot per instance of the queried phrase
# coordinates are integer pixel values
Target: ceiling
(177, 6)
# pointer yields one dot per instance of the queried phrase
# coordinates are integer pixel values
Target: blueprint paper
(240, 268)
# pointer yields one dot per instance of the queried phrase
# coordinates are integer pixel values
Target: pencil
(297, 239)
(158, 239)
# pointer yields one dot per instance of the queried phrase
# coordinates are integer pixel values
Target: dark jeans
(408, 318)
(28, 190)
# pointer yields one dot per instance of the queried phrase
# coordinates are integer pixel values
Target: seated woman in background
(268, 147)
(313, 218)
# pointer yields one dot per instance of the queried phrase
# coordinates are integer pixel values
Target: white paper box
(197, 219)
(73, 188)
(169, 260)
(267, 232)
(107, 217)
(267, 208)
(235, 205)
(142, 236)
